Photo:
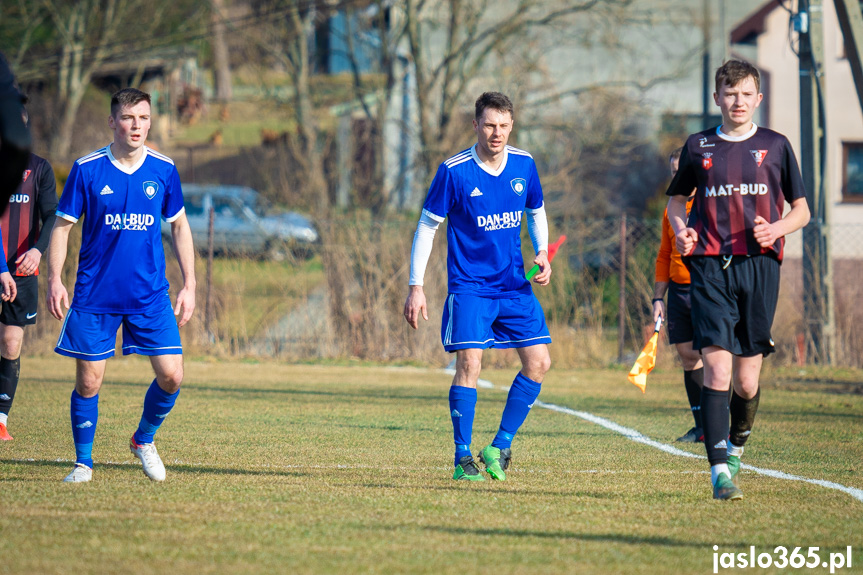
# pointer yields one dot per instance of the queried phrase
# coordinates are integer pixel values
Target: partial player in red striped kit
(26, 227)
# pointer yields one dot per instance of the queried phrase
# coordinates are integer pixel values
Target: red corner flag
(646, 360)
(552, 251)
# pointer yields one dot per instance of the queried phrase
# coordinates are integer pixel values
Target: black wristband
(656, 299)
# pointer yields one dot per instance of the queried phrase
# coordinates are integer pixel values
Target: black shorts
(23, 310)
(733, 302)
(679, 311)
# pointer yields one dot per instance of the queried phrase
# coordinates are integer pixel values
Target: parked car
(245, 223)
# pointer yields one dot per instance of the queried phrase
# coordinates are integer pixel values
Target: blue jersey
(121, 268)
(484, 208)
(3, 267)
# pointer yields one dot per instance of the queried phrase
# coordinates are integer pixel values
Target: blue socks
(462, 407)
(521, 396)
(85, 414)
(157, 405)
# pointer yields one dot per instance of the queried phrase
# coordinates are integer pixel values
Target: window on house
(852, 171)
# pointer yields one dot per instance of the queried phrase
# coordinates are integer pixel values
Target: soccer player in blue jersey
(484, 191)
(122, 191)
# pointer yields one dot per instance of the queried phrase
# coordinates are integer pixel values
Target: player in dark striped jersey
(9, 291)
(26, 227)
(14, 136)
(733, 241)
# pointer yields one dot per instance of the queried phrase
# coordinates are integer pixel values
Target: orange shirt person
(672, 277)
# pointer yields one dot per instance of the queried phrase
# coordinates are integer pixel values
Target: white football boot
(80, 474)
(150, 460)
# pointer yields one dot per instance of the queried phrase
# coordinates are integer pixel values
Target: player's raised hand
(686, 241)
(10, 288)
(415, 305)
(186, 304)
(543, 277)
(765, 233)
(57, 299)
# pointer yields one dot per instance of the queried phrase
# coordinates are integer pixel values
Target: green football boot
(467, 470)
(734, 468)
(725, 489)
(496, 461)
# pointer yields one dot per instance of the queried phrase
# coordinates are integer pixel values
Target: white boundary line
(638, 437)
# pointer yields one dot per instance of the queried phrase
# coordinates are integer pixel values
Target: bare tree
(63, 44)
(284, 38)
(222, 64)
(85, 28)
(474, 38)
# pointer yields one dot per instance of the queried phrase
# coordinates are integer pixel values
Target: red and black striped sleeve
(792, 181)
(46, 199)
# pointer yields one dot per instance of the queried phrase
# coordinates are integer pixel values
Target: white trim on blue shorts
(491, 339)
(548, 337)
(131, 349)
(62, 329)
(448, 338)
(83, 355)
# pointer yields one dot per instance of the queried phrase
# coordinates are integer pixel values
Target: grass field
(277, 468)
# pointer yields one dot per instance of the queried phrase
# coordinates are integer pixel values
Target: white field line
(277, 467)
(638, 437)
(628, 433)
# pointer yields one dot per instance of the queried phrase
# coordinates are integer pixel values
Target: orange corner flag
(646, 360)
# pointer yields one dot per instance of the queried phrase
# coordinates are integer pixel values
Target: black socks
(9, 371)
(714, 416)
(742, 417)
(694, 381)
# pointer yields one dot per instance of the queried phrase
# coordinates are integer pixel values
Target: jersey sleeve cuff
(535, 210)
(66, 217)
(177, 215)
(435, 217)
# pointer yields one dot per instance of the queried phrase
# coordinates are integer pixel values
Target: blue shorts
(473, 322)
(93, 336)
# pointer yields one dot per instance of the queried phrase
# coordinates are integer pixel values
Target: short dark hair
(733, 72)
(495, 101)
(127, 97)
(675, 155)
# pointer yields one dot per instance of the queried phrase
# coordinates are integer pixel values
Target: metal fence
(346, 302)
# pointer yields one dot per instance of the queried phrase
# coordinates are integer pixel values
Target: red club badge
(26, 175)
(707, 161)
(759, 156)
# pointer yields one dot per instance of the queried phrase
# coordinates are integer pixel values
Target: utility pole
(818, 309)
(705, 67)
(851, 23)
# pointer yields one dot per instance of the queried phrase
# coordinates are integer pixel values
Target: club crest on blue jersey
(519, 185)
(150, 189)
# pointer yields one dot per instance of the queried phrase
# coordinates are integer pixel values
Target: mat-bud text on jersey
(742, 189)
